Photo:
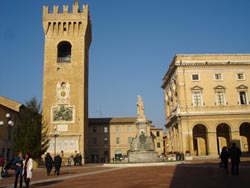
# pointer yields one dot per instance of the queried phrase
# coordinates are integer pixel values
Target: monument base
(143, 157)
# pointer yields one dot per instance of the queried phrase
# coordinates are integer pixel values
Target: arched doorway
(245, 136)
(223, 136)
(200, 140)
(118, 155)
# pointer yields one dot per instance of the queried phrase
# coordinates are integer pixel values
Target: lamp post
(54, 134)
(10, 123)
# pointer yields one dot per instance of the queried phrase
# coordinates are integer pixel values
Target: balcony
(209, 110)
(66, 59)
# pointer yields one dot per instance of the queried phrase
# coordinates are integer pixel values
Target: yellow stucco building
(207, 103)
(110, 138)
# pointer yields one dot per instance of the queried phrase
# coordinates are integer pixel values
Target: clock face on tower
(62, 92)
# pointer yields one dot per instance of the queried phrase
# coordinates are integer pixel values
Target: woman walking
(27, 169)
(224, 158)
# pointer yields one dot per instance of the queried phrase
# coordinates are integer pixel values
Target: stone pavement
(186, 174)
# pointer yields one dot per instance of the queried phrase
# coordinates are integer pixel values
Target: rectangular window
(106, 129)
(243, 99)
(117, 140)
(129, 128)
(106, 140)
(158, 144)
(220, 98)
(117, 129)
(157, 133)
(130, 140)
(240, 76)
(197, 98)
(195, 77)
(94, 140)
(218, 76)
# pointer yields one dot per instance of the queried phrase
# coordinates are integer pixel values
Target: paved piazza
(187, 174)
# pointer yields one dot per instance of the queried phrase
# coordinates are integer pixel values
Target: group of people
(77, 159)
(49, 163)
(24, 168)
(234, 154)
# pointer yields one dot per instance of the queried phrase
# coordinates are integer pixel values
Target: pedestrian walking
(1, 166)
(18, 162)
(27, 169)
(57, 163)
(48, 163)
(235, 154)
(224, 155)
(70, 159)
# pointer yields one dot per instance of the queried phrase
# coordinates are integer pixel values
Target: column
(212, 143)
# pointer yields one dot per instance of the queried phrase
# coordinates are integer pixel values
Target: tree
(31, 134)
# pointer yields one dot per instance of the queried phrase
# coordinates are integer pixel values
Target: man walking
(48, 163)
(19, 169)
(58, 163)
(235, 154)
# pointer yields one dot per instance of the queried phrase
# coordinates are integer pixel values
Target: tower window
(64, 52)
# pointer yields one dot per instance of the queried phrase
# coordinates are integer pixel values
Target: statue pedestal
(143, 157)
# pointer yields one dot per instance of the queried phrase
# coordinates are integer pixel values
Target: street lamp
(10, 123)
(55, 134)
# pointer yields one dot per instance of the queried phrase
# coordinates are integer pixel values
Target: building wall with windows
(7, 130)
(207, 103)
(110, 138)
(157, 134)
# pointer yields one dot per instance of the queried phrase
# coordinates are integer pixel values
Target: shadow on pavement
(209, 175)
(46, 183)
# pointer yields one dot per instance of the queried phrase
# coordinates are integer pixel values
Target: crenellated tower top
(65, 10)
(64, 21)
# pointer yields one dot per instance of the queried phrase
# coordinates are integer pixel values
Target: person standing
(48, 163)
(235, 154)
(1, 166)
(27, 169)
(57, 163)
(18, 162)
(224, 158)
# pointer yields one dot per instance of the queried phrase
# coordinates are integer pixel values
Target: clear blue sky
(133, 43)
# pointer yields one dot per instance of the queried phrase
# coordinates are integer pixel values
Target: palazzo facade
(207, 103)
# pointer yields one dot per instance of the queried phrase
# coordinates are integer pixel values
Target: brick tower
(65, 80)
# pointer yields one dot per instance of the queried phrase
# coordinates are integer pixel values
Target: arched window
(64, 52)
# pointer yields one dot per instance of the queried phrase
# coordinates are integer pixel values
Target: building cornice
(204, 60)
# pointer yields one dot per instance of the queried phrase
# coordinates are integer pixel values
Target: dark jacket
(19, 168)
(57, 161)
(235, 154)
(224, 155)
(48, 161)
